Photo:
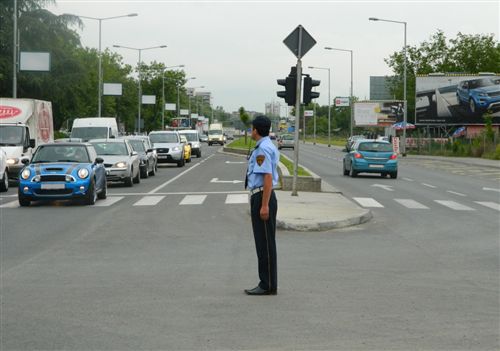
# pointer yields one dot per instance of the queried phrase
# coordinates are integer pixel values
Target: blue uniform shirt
(264, 159)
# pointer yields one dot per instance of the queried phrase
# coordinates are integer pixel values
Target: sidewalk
(471, 161)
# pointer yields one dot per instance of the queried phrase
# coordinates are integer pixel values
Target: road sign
(149, 99)
(184, 112)
(170, 107)
(299, 47)
(308, 113)
(341, 101)
(112, 89)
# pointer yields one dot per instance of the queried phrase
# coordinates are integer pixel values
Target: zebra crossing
(368, 202)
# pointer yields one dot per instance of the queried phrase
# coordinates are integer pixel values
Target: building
(205, 96)
(272, 108)
(379, 88)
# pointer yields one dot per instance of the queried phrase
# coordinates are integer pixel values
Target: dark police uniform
(264, 160)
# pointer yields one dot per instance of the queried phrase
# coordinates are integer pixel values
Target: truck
(215, 134)
(88, 128)
(24, 124)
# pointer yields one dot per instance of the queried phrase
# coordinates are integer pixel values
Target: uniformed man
(261, 178)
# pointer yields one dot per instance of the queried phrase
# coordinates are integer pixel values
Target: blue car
(61, 171)
(371, 156)
(479, 94)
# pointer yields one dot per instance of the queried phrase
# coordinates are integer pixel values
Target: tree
(245, 119)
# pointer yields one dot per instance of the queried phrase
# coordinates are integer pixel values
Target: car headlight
(25, 174)
(176, 148)
(12, 161)
(83, 173)
(120, 165)
(482, 94)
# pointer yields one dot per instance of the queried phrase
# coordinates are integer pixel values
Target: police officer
(262, 177)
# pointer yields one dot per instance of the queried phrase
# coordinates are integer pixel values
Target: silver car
(286, 140)
(147, 155)
(120, 160)
(168, 146)
(194, 140)
(4, 176)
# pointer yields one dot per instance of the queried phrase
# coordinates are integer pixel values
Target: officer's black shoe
(259, 291)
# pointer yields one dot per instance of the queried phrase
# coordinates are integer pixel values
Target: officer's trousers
(264, 233)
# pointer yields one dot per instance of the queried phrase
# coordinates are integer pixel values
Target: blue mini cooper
(61, 171)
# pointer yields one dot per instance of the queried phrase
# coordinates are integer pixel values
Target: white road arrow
(237, 162)
(492, 189)
(216, 180)
(385, 187)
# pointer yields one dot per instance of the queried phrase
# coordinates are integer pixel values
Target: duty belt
(256, 190)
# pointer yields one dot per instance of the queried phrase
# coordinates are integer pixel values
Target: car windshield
(11, 135)
(214, 132)
(105, 148)
(191, 136)
(87, 133)
(375, 147)
(287, 137)
(61, 153)
(479, 83)
(163, 138)
(137, 145)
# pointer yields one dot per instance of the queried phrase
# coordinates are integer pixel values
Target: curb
(326, 225)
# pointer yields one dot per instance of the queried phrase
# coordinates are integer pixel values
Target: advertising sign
(308, 113)
(341, 101)
(114, 89)
(194, 116)
(378, 113)
(184, 112)
(170, 107)
(456, 99)
(34, 61)
(149, 99)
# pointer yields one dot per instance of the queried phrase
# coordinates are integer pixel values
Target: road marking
(183, 193)
(176, 177)
(429, 185)
(454, 205)
(12, 204)
(492, 205)
(109, 201)
(492, 189)
(409, 203)
(385, 187)
(193, 200)
(149, 201)
(235, 162)
(408, 179)
(455, 193)
(237, 199)
(216, 180)
(367, 202)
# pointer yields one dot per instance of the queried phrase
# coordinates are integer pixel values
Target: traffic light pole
(297, 127)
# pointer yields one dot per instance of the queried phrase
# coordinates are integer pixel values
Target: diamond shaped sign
(299, 42)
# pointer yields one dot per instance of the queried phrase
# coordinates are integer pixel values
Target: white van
(94, 128)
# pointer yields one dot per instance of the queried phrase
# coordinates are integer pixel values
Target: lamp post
(99, 89)
(200, 87)
(329, 104)
(178, 96)
(139, 67)
(351, 99)
(163, 93)
(403, 141)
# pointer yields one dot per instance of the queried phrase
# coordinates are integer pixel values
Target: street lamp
(189, 99)
(351, 99)
(178, 96)
(403, 141)
(163, 93)
(329, 103)
(99, 89)
(139, 66)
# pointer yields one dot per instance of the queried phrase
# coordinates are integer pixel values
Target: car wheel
(23, 200)
(383, 175)
(472, 106)
(137, 178)
(189, 159)
(182, 162)
(4, 183)
(144, 171)
(354, 173)
(153, 171)
(128, 181)
(209, 144)
(104, 191)
(91, 196)
(346, 172)
(198, 155)
(394, 175)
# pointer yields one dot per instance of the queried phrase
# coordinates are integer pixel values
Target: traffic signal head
(290, 84)
(309, 83)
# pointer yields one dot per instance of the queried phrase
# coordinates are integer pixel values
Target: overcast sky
(235, 48)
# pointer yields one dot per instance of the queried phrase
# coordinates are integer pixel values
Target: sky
(235, 48)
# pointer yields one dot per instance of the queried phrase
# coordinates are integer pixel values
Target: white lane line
(183, 193)
(237, 199)
(454, 205)
(176, 177)
(6, 196)
(149, 201)
(409, 203)
(429, 185)
(408, 179)
(492, 205)
(193, 200)
(492, 189)
(367, 202)
(111, 200)
(12, 204)
(455, 193)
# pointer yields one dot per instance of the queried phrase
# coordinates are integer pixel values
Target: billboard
(341, 101)
(148, 99)
(456, 99)
(170, 107)
(114, 89)
(34, 61)
(378, 113)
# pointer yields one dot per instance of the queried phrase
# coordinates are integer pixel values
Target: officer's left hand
(264, 213)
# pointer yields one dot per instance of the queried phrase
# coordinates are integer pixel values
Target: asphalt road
(163, 265)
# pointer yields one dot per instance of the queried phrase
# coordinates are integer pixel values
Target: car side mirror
(25, 161)
(149, 150)
(99, 160)
(32, 143)
(133, 153)
(112, 137)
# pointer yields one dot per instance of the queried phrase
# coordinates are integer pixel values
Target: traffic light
(290, 84)
(309, 83)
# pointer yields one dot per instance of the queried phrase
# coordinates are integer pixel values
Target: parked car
(4, 175)
(286, 141)
(168, 146)
(187, 149)
(194, 140)
(61, 171)
(479, 94)
(371, 156)
(148, 162)
(120, 160)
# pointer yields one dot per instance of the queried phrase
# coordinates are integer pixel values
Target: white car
(4, 177)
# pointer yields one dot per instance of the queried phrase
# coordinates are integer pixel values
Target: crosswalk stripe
(111, 200)
(409, 203)
(492, 205)
(11, 204)
(149, 201)
(454, 205)
(193, 200)
(367, 202)
(237, 199)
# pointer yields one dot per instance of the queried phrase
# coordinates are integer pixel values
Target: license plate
(162, 156)
(376, 166)
(52, 186)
